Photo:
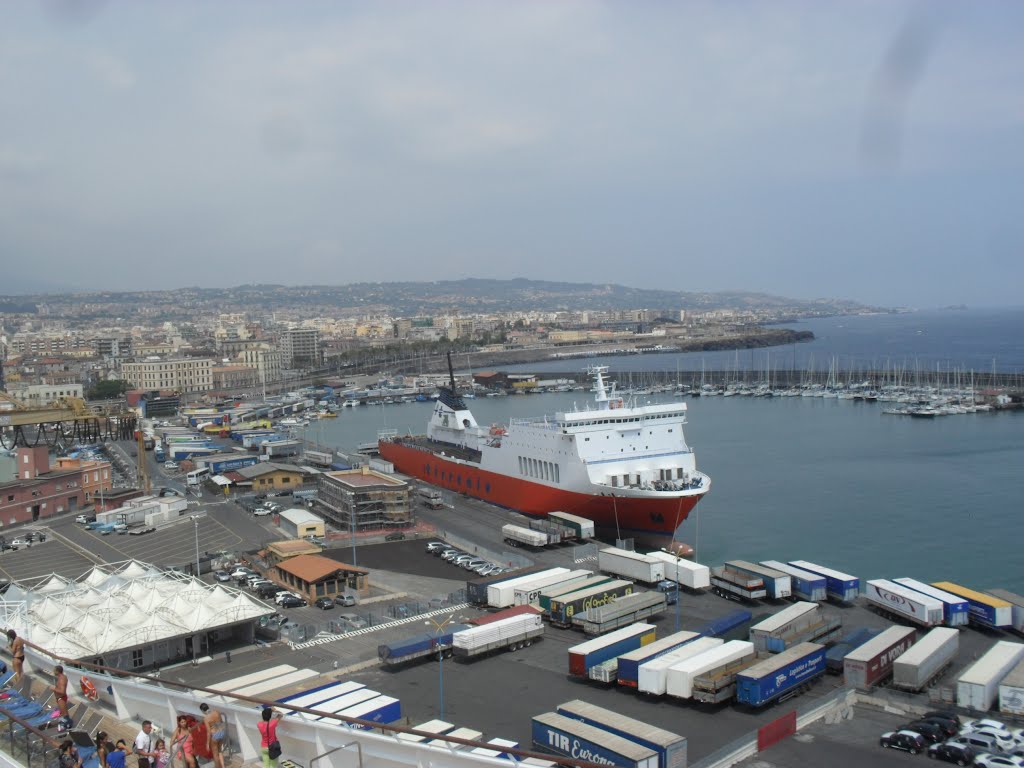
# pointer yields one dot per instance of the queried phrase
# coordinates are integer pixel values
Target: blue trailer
(780, 675)
(601, 649)
(671, 747)
(956, 611)
(383, 709)
(726, 624)
(806, 585)
(219, 463)
(425, 645)
(629, 663)
(851, 641)
(840, 587)
(561, 735)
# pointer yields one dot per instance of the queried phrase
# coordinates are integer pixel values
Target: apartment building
(183, 375)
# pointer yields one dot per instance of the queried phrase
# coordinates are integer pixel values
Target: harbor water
(831, 481)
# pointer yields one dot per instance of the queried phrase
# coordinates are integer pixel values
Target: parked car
(948, 726)
(435, 546)
(476, 562)
(85, 519)
(222, 576)
(396, 536)
(960, 754)
(943, 714)
(291, 601)
(283, 594)
(932, 733)
(170, 465)
(908, 740)
(242, 573)
(345, 600)
(19, 543)
(324, 603)
(979, 742)
(1003, 739)
(999, 761)
(984, 723)
(262, 511)
(354, 620)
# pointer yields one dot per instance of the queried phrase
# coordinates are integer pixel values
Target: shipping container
(772, 633)
(529, 593)
(955, 610)
(652, 675)
(433, 727)
(806, 585)
(680, 676)
(926, 659)
(687, 573)
(459, 733)
(383, 709)
(584, 528)
(779, 585)
(476, 589)
(985, 610)
(518, 536)
(732, 584)
(573, 585)
(631, 565)
(1017, 607)
(727, 623)
(906, 603)
(513, 633)
(585, 655)
(421, 646)
(623, 611)
(978, 686)
(785, 673)
(564, 607)
(1011, 691)
(871, 663)
(671, 747)
(839, 586)
(503, 593)
(629, 663)
(565, 736)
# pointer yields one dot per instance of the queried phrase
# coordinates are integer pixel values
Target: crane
(68, 417)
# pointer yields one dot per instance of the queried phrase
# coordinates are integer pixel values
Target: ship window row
(542, 470)
(598, 422)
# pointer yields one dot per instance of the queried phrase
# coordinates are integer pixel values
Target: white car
(977, 725)
(242, 573)
(170, 465)
(262, 512)
(999, 761)
(1004, 741)
(20, 543)
(281, 596)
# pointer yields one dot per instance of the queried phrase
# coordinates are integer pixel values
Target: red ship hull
(622, 516)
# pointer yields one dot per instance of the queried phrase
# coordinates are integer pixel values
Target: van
(979, 742)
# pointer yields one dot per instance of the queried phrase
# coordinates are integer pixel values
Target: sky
(867, 150)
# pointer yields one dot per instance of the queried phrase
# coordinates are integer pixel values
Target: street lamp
(438, 627)
(195, 521)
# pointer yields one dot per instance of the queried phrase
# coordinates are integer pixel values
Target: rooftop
(364, 477)
(265, 468)
(315, 567)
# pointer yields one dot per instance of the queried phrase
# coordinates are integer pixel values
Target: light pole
(440, 660)
(195, 522)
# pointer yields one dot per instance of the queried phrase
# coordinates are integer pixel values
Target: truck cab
(670, 590)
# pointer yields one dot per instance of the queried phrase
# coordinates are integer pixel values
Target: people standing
(69, 757)
(268, 735)
(103, 748)
(163, 757)
(60, 695)
(181, 743)
(144, 744)
(17, 646)
(216, 733)
(117, 756)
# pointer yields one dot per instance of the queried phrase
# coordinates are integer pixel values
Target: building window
(136, 658)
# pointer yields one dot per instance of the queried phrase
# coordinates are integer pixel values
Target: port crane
(68, 418)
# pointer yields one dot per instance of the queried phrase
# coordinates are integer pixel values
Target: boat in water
(625, 466)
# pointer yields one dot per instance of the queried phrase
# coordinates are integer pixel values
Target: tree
(107, 390)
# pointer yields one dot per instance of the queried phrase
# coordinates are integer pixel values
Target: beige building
(234, 377)
(267, 362)
(183, 375)
(300, 348)
(363, 499)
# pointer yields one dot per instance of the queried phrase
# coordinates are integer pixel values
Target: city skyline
(852, 151)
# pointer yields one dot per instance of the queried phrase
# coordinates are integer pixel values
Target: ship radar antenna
(451, 371)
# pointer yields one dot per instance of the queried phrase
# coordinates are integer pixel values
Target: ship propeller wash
(625, 466)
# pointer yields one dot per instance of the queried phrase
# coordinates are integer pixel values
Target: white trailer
(631, 565)
(779, 585)
(584, 528)
(514, 632)
(652, 675)
(529, 593)
(516, 535)
(503, 594)
(916, 668)
(772, 633)
(914, 606)
(679, 680)
(978, 686)
(1011, 690)
(1017, 609)
(684, 572)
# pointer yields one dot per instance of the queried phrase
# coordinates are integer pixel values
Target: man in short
(144, 744)
(17, 653)
(60, 694)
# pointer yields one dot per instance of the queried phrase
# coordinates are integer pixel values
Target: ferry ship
(625, 466)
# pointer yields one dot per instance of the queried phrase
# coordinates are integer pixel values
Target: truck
(693, 576)
(903, 602)
(593, 652)
(565, 587)
(584, 528)
(806, 585)
(978, 686)
(652, 676)
(503, 593)
(517, 536)
(733, 585)
(431, 497)
(555, 532)
(631, 565)
(275, 449)
(629, 663)
(777, 584)
(624, 611)
(725, 660)
(871, 663)
(565, 607)
(671, 747)
(476, 589)
(780, 676)
(839, 586)
(956, 611)
(529, 593)
(799, 623)
(1016, 608)
(985, 610)
(1011, 691)
(565, 736)
(512, 634)
(426, 645)
(926, 659)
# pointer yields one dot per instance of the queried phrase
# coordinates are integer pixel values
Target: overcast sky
(864, 150)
